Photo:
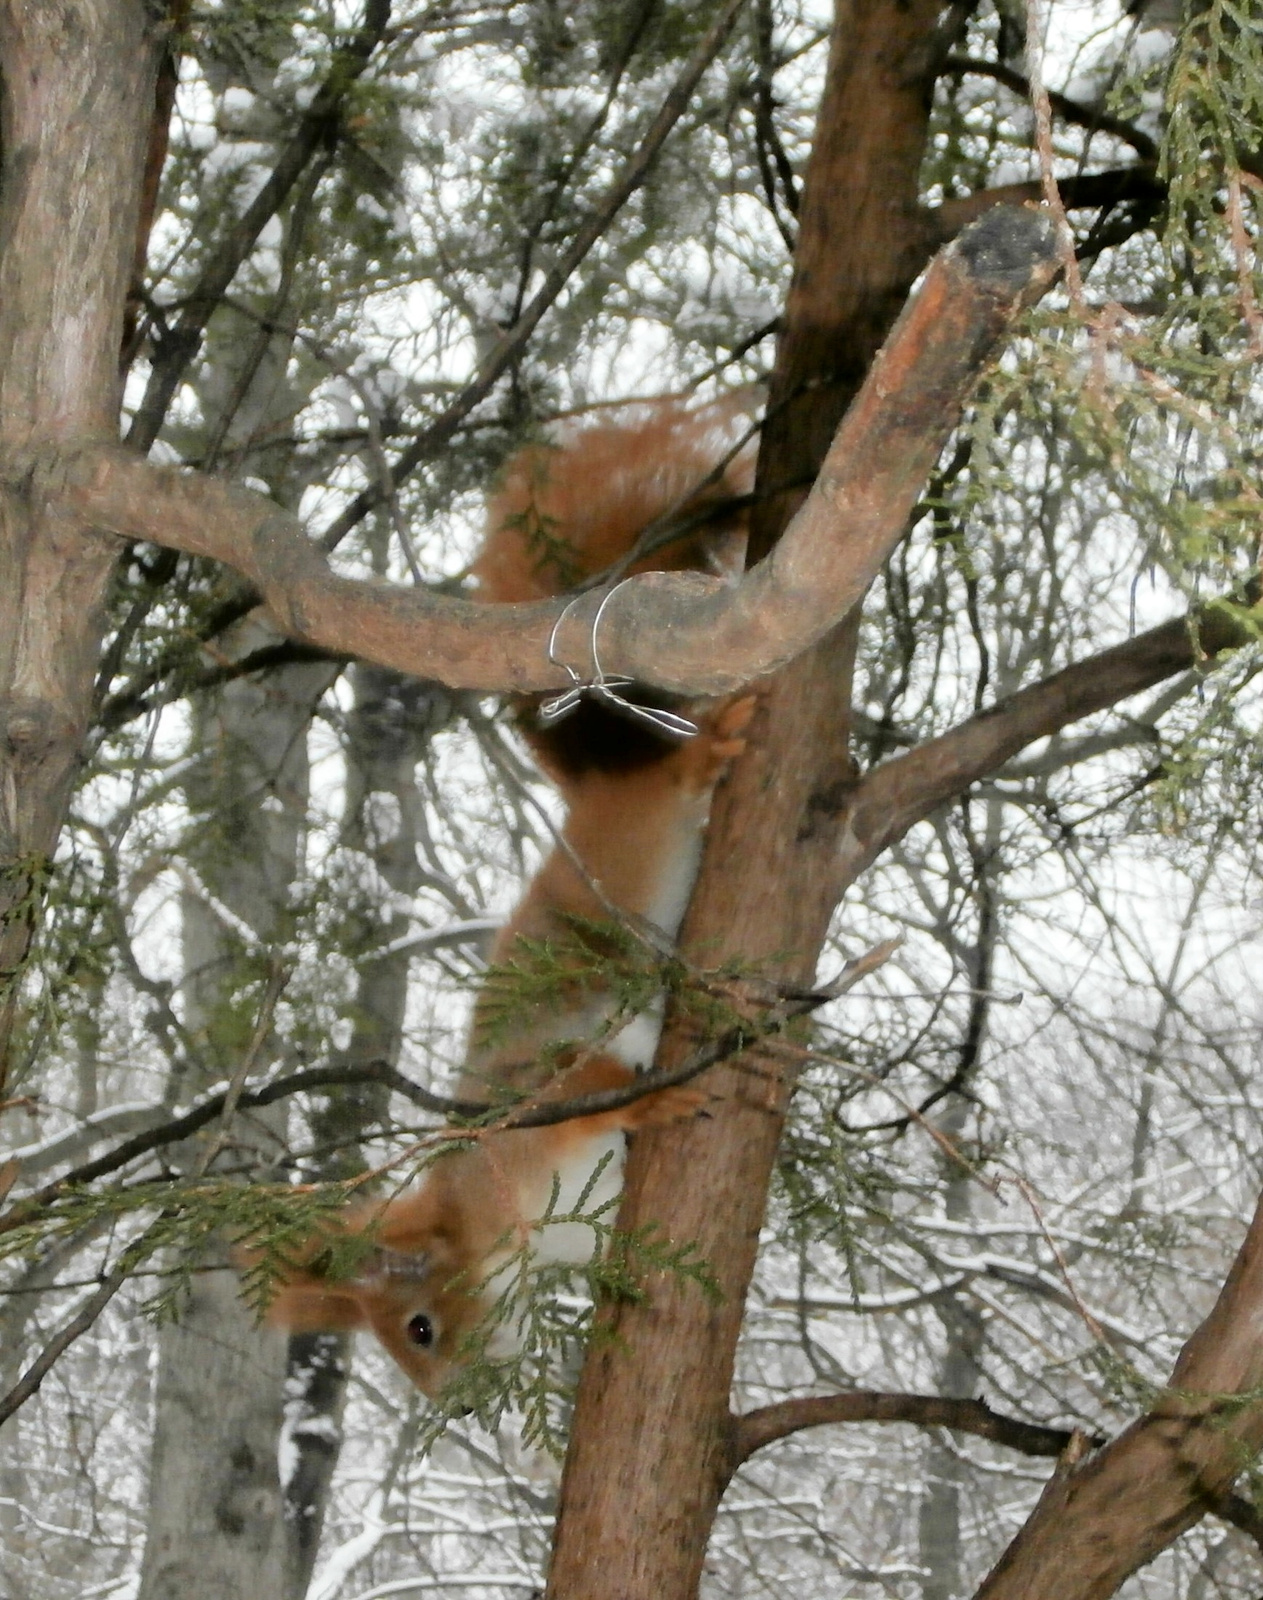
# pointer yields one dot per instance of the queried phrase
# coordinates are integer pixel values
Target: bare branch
(1242, 1514)
(769, 1423)
(1087, 190)
(79, 1324)
(535, 1111)
(173, 1130)
(899, 793)
(679, 631)
(1060, 754)
(1095, 118)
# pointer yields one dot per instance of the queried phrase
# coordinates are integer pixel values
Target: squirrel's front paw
(679, 1104)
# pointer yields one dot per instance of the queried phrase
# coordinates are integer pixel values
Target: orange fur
(637, 806)
(566, 511)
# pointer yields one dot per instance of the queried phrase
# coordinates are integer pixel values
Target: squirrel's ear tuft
(314, 1306)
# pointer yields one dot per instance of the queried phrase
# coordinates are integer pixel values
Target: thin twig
(82, 1320)
(232, 1095)
(1241, 253)
(1044, 150)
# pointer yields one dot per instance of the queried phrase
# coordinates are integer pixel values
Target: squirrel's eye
(421, 1330)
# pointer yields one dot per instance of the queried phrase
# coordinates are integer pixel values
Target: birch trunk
(215, 1523)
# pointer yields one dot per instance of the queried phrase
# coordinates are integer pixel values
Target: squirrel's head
(416, 1293)
(422, 1308)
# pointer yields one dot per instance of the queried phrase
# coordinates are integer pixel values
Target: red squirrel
(637, 805)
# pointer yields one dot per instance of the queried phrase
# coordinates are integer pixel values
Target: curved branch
(529, 1113)
(682, 632)
(1094, 118)
(769, 1423)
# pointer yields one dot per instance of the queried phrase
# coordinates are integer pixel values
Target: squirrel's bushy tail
(569, 509)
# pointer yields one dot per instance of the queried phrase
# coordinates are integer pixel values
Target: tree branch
(79, 1324)
(902, 791)
(531, 1111)
(1102, 1519)
(684, 632)
(176, 22)
(1242, 1514)
(769, 1423)
(1089, 189)
(1096, 119)
(172, 1130)
(136, 701)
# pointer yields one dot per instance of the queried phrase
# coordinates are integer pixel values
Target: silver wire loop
(603, 688)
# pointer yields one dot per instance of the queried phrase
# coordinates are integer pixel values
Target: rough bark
(635, 1518)
(861, 240)
(78, 90)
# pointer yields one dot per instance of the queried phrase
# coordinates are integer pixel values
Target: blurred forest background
(1024, 1150)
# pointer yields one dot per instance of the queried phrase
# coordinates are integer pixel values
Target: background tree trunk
(391, 722)
(216, 1525)
(960, 1371)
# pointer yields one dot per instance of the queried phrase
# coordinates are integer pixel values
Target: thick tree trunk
(650, 1448)
(78, 86)
(862, 241)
